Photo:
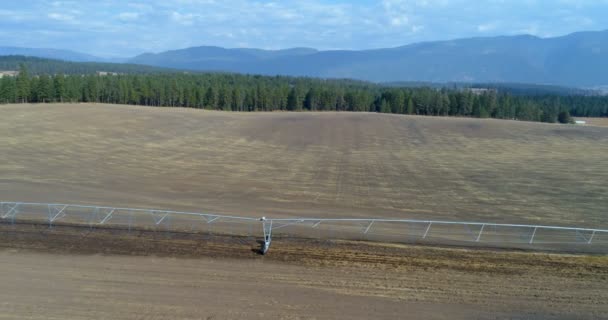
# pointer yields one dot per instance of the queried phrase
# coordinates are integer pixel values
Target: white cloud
(186, 19)
(399, 21)
(486, 27)
(10, 15)
(417, 28)
(128, 16)
(61, 17)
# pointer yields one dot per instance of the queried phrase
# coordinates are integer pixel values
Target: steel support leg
(368, 227)
(267, 226)
(427, 230)
(533, 234)
(14, 213)
(108, 216)
(130, 219)
(93, 217)
(591, 237)
(162, 219)
(480, 232)
(50, 216)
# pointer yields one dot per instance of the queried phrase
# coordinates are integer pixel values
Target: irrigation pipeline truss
(53, 212)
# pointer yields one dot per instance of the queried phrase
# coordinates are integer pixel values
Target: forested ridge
(39, 66)
(234, 92)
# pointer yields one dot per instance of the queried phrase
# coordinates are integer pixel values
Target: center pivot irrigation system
(385, 230)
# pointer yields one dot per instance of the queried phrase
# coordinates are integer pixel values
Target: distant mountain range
(578, 60)
(58, 54)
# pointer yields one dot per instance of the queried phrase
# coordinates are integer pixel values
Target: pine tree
(237, 100)
(564, 117)
(211, 98)
(293, 100)
(59, 86)
(222, 99)
(23, 84)
(384, 107)
(410, 106)
(310, 102)
(8, 90)
(44, 89)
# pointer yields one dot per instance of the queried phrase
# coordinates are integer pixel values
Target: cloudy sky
(129, 27)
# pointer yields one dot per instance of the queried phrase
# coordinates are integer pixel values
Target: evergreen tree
(44, 89)
(293, 100)
(211, 98)
(237, 100)
(23, 84)
(59, 86)
(384, 107)
(410, 106)
(8, 90)
(564, 117)
(222, 99)
(310, 101)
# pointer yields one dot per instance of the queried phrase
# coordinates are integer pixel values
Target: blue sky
(130, 27)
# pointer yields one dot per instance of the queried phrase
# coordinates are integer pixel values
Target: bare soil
(295, 164)
(72, 273)
(305, 164)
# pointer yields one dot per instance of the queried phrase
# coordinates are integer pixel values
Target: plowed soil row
(437, 282)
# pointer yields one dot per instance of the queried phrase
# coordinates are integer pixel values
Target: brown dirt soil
(305, 164)
(292, 164)
(73, 273)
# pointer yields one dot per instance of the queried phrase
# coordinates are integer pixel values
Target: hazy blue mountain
(218, 59)
(579, 59)
(58, 54)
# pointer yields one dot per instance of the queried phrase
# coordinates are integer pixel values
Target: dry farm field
(66, 273)
(295, 165)
(305, 164)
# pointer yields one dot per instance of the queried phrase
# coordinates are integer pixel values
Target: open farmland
(294, 164)
(305, 164)
(71, 273)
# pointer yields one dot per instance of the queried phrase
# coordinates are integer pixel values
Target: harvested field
(70, 273)
(305, 164)
(292, 164)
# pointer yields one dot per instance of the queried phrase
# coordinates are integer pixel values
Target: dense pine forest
(233, 92)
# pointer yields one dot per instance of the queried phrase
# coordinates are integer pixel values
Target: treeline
(234, 92)
(40, 66)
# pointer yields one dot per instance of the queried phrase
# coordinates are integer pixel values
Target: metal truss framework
(100, 215)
